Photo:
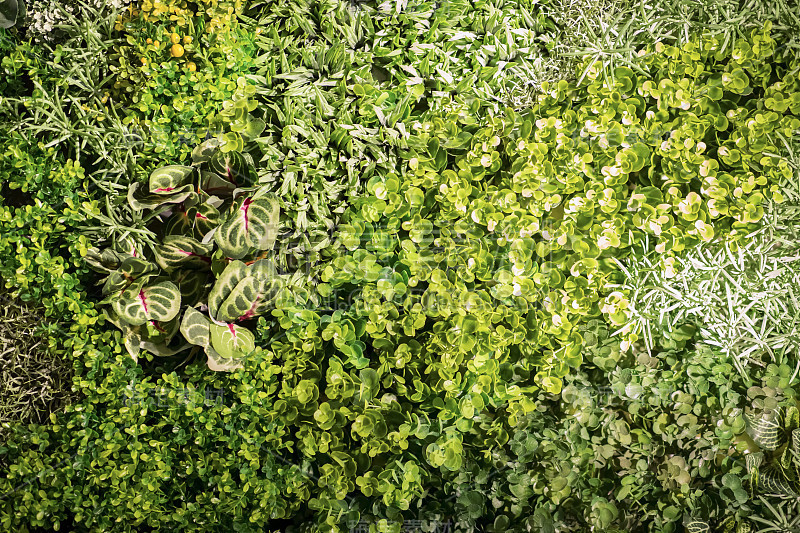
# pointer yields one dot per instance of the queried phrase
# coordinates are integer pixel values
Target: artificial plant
(211, 270)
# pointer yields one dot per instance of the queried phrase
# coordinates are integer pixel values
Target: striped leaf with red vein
(140, 304)
(243, 291)
(231, 341)
(166, 179)
(178, 251)
(251, 225)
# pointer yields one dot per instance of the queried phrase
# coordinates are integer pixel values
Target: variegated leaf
(179, 223)
(795, 447)
(772, 481)
(697, 526)
(254, 294)
(215, 185)
(161, 349)
(154, 337)
(233, 167)
(130, 269)
(127, 245)
(132, 345)
(206, 218)
(140, 201)
(177, 251)
(232, 341)
(786, 461)
(106, 261)
(239, 302)
(193, 221)
(269, 284)
(245, 294)
(235, 272)
(160, 332)
(137, 338)
(119, 282)
(753, 461)
(791, 420)
(764, 429)
(217, 363)
(166, 180)
(195, 327)
(193, 285)
(253, 224)
(159, 302)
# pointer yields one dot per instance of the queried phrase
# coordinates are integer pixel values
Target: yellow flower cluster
(220, 14)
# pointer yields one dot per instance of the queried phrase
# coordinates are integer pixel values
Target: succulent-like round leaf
(253, 128)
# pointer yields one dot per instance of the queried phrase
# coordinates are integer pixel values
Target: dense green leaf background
(333, 263)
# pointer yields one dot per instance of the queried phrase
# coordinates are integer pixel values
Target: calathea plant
(209, 273)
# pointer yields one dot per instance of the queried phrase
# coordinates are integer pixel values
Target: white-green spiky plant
(743, 299)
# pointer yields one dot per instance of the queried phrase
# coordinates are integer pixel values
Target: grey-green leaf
(11, 11)
(195, 327)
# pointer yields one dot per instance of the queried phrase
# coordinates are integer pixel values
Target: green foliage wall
(464, 314)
